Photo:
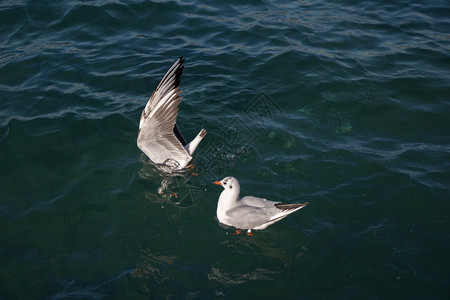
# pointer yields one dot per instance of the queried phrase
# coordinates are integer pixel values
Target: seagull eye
(231, 186)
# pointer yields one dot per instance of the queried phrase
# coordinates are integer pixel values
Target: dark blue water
(345, 105)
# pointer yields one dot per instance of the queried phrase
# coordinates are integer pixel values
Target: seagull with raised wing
(249, 212)
(159, 137)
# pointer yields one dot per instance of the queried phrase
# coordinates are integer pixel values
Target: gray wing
(156, 136)
(247, 217)
(258, 213)
(257, 202)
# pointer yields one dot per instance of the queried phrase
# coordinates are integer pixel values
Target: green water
(342, 105)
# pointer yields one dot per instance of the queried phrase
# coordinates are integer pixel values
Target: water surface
(342, 105)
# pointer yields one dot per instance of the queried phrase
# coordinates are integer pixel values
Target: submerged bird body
(249, 212)
(159, 137)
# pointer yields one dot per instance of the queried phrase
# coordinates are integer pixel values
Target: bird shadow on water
(179, 188)
(218, 268)
(271, 244)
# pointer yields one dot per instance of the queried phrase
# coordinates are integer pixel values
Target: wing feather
(156, 137)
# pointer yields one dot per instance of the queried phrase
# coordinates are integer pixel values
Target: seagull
(249, 212)
(159, 137)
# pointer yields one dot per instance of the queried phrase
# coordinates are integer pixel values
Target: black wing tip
(179, 62)
(180, 68)
(173, 74)
(290, 206)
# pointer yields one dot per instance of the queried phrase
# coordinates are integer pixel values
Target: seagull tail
(291, 207)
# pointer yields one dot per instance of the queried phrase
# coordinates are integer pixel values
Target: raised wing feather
(156, 127)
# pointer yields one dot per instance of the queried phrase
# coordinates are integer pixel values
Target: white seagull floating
(249, 212)
(159, 137)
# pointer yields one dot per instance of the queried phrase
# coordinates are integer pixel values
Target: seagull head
(229, 183)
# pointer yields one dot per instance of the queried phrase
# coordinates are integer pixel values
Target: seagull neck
(230, 196)
(227, 200)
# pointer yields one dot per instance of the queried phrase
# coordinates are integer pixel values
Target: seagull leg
(248, 233)
(190, 169)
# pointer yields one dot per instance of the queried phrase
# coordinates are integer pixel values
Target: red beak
(217, 182)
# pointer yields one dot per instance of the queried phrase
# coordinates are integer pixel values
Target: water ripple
(343, 105)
